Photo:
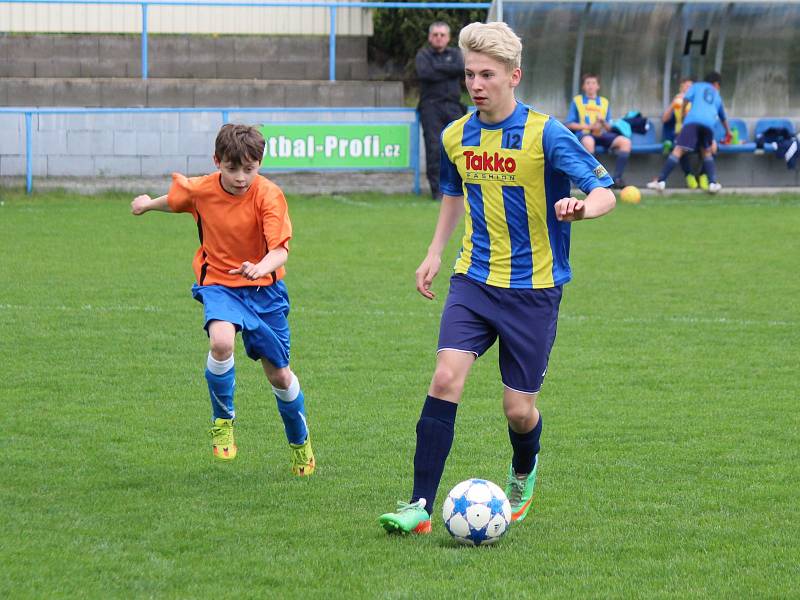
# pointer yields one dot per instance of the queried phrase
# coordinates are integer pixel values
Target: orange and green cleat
(303, 461)
(409, 518)
(519, 490)
(222, 439)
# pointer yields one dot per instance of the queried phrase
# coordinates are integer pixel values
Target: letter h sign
(702, 42)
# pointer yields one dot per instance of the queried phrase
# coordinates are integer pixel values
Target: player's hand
(425, 274)
(250, 271)
(570, 209)
(728, 138)
(141, 204)
(596, 128)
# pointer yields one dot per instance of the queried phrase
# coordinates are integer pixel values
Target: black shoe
(619, 183)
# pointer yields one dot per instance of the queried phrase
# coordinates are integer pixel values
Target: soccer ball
(476, 512)
(630, 194)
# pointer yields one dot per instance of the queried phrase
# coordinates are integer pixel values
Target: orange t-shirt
(232, 229)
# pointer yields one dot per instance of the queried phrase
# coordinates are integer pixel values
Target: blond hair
(496, 40)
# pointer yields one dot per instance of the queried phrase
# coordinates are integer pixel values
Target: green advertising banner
(330, 145)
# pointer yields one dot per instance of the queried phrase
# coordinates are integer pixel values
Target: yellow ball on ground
(630, 194)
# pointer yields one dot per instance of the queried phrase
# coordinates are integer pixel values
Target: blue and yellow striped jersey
(586, 111)
(511, 174)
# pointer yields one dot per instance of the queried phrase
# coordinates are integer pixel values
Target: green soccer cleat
(409, 518)
(691, 181)
(703, 181)
(303, 461)
(520, 492)
(222, 439)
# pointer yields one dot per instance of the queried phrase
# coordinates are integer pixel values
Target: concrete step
(119, 92)
(181, 56)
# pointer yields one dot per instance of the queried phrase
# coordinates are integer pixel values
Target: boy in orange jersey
(244, 228)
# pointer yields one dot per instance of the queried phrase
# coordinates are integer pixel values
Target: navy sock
(526, 447)
(711, 169)
(685, 164)
(434, 439)
(622, 161)
(669, 164)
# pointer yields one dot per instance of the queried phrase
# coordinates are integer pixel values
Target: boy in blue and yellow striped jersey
(589, 118)
(508, 169)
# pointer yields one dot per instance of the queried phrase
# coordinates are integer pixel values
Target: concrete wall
(181, 56)
(137, 145)
(76, 18)
(113, 93)
(155, 144)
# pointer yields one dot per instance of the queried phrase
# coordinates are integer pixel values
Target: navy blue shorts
(695, 137)
(260, 313)
(604, 139)
(476, 314)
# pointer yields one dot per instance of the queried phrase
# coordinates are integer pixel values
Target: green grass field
(671, 452)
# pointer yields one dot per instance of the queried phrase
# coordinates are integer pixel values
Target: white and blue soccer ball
(476, 512)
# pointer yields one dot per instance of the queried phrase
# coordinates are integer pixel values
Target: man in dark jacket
(440, 70)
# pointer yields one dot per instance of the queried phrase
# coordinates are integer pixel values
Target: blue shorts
(695, 137)
(260, 313)
(476, 314)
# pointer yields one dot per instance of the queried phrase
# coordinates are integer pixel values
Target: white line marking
(83, 308)
(380, 312)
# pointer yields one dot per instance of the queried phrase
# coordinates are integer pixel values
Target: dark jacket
(440, 75)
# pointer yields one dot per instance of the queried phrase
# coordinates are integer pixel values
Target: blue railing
(413, 121)
(331, 6)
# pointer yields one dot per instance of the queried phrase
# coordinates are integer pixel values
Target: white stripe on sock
(221, 404)
(218, 367)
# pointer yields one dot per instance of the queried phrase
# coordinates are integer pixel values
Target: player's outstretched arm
(271, 262)
(599, 202)
(450, 213)
(142, 204)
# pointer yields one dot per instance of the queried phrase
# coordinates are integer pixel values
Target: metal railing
(412, 121)
(331, 6)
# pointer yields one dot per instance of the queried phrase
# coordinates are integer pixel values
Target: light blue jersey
(706, 105)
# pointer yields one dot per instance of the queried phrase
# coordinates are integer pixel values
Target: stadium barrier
(331, 6)
(136, 142)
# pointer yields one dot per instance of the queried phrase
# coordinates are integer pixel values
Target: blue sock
(622, 161)
(221, 378)
(291, 406)
(685, 164)
(526, 447)
(669, 164)
(434, 439)
(711, 169)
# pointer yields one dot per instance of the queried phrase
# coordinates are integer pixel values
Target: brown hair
(586, 76)
(239, 143)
